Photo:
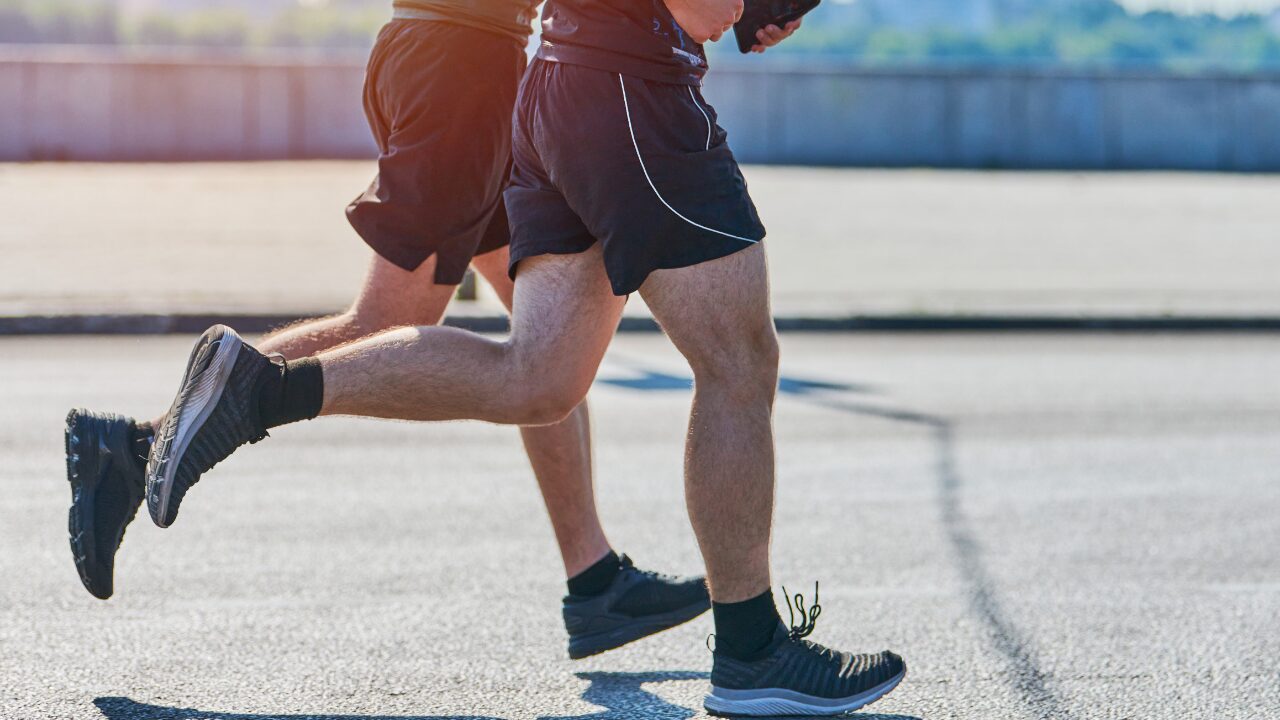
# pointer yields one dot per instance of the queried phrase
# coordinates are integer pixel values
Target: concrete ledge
(190, 324)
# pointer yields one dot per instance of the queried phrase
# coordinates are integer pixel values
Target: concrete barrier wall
(93, 105)
(81, 105)
(1001, 119)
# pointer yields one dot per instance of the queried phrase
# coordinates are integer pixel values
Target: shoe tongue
(780, 636)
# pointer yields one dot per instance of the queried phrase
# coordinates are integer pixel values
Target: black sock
(296, 394)
(745, 628)
(141, 438)
(597, 578)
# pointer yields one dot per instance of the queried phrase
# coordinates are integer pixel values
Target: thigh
(395, 297)
(717, 313)
(564, 316)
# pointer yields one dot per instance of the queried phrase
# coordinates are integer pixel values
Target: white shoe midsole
(776, 701)
(198, 405)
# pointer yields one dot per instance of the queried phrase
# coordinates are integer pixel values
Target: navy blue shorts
(438, 97)
(637, 165)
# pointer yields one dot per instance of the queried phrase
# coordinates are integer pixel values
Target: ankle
(141, 435)
(745, 629)
(296, 394)
(597, 578)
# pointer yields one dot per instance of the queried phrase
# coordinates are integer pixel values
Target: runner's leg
(717, 314)
(565, 316)
(560, 455)
(391, 297)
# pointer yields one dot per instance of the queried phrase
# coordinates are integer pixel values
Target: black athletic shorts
(438, 97)
(640, 166)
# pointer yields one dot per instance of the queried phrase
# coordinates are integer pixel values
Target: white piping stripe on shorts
(627, 106)
(694, 98)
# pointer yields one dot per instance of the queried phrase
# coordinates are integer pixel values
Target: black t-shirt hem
(619, 63)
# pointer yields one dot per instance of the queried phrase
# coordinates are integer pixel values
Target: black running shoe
(106, 480)
(794, 676)
(638, 604)
(215, 413)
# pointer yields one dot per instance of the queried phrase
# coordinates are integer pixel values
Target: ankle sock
(744, 629)
(140, 439)
(296, 394)
(597, 578)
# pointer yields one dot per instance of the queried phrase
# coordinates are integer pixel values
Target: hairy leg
(565, 315)
(391, 297)
(718, 316)
(560, 455)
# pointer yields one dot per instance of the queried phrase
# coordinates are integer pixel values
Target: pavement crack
(1026, 678)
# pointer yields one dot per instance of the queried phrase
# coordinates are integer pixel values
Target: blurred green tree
(1048, 32)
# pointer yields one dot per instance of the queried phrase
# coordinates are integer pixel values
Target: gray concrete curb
(193, 323)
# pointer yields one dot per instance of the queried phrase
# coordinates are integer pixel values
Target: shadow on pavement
(649, 380)
(119, 708)
(622, 696)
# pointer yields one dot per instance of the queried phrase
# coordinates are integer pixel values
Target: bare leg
(391, 297)
(561, 458)
(565, 316)
(718, 316)
(560, 454)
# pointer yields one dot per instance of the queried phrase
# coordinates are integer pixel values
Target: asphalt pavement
(1045, 527)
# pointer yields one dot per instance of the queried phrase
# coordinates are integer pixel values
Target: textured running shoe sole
(776, 702)
(86, 447)
(585, 646)
(80, 530)
(196, 400)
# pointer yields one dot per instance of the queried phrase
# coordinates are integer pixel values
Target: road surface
(1045, 527)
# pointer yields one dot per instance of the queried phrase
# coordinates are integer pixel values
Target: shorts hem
(521, 253)
(632, 282)
(409, 253)
(622, 282)
(409, 261)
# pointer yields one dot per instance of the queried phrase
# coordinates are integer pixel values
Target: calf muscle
(717, 314)
(565, 315)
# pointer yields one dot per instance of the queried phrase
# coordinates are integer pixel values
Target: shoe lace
(808, 618)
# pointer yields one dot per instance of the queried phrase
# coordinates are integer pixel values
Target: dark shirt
(632, 37)
(513, 18)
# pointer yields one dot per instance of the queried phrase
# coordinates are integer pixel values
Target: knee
(545, 395)
(745, 365)
(549, 407)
